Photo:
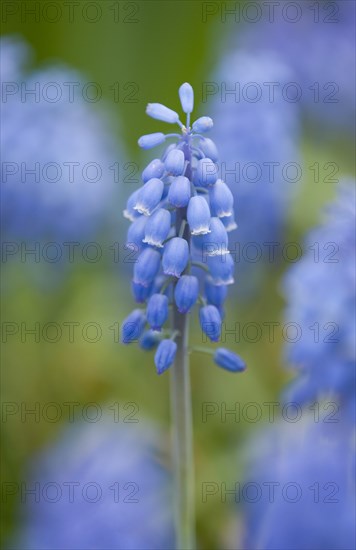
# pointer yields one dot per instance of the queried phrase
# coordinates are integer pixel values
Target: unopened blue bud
(209, 149)
(132, 326)
(140, 292)
(186, 96)
(157, 227)
(136, 234)
(154, 169)
(161, 112)
(221, 269)
(215, 294)
(175, 162)
(203, 124)
(175, 257)
(149, 196)
(165, 355)
(210, 322)
(157, 311)
(229, 360)
(206, 172)
(151, 140)
(149, 340)
(179, 192)
(198, 216)
(221, 200)
(130, 213)
(147, 266)
(216, 242)
(186, 293)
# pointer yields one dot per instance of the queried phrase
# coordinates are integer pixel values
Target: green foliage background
(167, 46)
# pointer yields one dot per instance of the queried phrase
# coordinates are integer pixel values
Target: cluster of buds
(180, 218)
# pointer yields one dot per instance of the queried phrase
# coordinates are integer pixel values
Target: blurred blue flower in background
(318, 42)
(305, 473)
(57, 150)
(320, 291)
(258, 132)
(304, 469)
(14, 55)
(100, 486)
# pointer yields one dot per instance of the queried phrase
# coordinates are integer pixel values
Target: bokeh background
(137, 52)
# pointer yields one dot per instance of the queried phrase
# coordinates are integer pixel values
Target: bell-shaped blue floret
(215, 243)
(221, 269)
(175, 162)
(203, 124)
(157, 227)
(186, 96)
(210, 322)
(175, 257)
(147, 266)
(186, 293)
(151, 140)
(130, 213)
(154, 169)
(206, 173)
(132, 326)
(157, 311)
(140, 292)
(179, 192)
(161, 112)
(149, 196)
(228, 360)
(136, 234)
(221, 200)
(198, 216)
(165, 355)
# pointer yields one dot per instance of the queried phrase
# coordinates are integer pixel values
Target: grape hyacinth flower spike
(180, 221)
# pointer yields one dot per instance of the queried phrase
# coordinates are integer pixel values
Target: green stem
(201, 349)
(182, 425)
(183, 458)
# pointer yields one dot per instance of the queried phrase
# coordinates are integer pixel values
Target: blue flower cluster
(302, 487)
(259, 132)
(100, 486)
(56, 152)
(320, 291)
(180, 218)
